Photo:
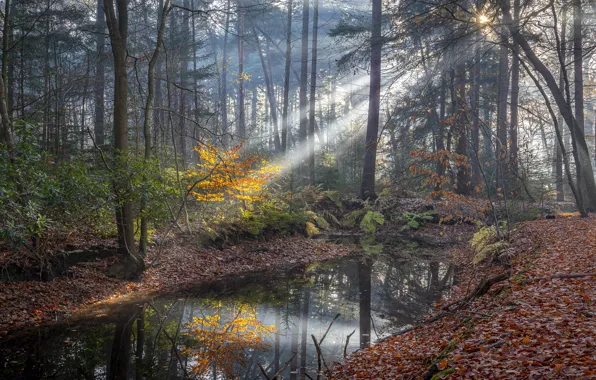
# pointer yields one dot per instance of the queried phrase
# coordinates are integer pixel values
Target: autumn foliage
(224, 174)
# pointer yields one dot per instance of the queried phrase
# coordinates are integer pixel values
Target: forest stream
(227, 329)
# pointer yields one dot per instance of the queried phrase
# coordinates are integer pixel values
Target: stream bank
(177, 265)
(537, 322)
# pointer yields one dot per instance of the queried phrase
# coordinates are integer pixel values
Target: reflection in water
(229, 329)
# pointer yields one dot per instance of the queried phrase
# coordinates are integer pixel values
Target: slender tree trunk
(475, 105)
(461, 132)
(241, 116)
(270, 94)
(313, 92)
(303, 131)
(502, 95)
(560, 185)
(224, 80)
(372, 127)
(513, 149)
(284, 122)
(100, 72)
(162, 16)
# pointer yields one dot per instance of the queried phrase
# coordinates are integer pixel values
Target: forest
(293, 189)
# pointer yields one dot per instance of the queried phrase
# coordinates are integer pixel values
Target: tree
(372, 127)
(303, 130)
(313, 91)
(116, 12)
(288, 63)
(100, 27)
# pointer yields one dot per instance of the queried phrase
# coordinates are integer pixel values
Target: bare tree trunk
(313, 91)
(559, 155)
(502, 95)
(513, 149)
(475, 105)
(224, 81)
(284, 122)
(372, 128)
(461, 131)
(100, 72)
(241, 115)
(303, 131)
(118, 28)
(270, 95)
(162, 16)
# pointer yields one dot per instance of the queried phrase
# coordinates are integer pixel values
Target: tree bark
(100, 28)
(117, 21)
(284, 122)
(162, 16)
(241, 115)
(303, 131)
(372, 128)
(513, 149)
(313, 91)
(502, 95)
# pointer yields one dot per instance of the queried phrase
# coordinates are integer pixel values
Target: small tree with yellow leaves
(229, 174)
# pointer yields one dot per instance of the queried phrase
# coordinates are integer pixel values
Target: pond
(230, 329)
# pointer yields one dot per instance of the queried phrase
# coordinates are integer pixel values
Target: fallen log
(559, 275)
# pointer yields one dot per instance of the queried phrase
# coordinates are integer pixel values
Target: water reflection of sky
(373, 296)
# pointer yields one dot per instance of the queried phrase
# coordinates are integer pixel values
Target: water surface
(225, 330)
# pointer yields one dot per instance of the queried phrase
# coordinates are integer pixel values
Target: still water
(229, 329)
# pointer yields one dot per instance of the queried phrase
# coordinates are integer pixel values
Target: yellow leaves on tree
(219, 344)
(229, 174)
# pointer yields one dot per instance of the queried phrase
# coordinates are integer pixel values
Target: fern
(371, 220)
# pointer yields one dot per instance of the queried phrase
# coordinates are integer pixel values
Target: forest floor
(536, 322)
(177, 265)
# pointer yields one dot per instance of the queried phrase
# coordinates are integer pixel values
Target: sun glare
(482, 19)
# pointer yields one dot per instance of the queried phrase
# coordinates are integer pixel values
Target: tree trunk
(240, 104)
(162, 16)
(313, 91)
(372, 128)
(560, 185)
(580, 149)
(224, 81)
(461, 132)
(303, 85)
(270, 94)
(118, 29)
(100, 72)
(502, 95)
(284, 122)
(513, 149)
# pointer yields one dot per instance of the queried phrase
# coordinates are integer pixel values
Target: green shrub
(415, 220)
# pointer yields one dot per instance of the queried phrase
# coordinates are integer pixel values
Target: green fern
(371, 221)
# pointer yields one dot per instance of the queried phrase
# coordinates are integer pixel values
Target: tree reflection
(364, 291)
(213, 343)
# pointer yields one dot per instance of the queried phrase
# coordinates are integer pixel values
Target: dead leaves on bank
(543, 328)
(28, 303)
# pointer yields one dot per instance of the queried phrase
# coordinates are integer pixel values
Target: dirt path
(532, 325)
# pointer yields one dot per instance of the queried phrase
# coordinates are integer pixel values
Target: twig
(348, 342)
(274, 377)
